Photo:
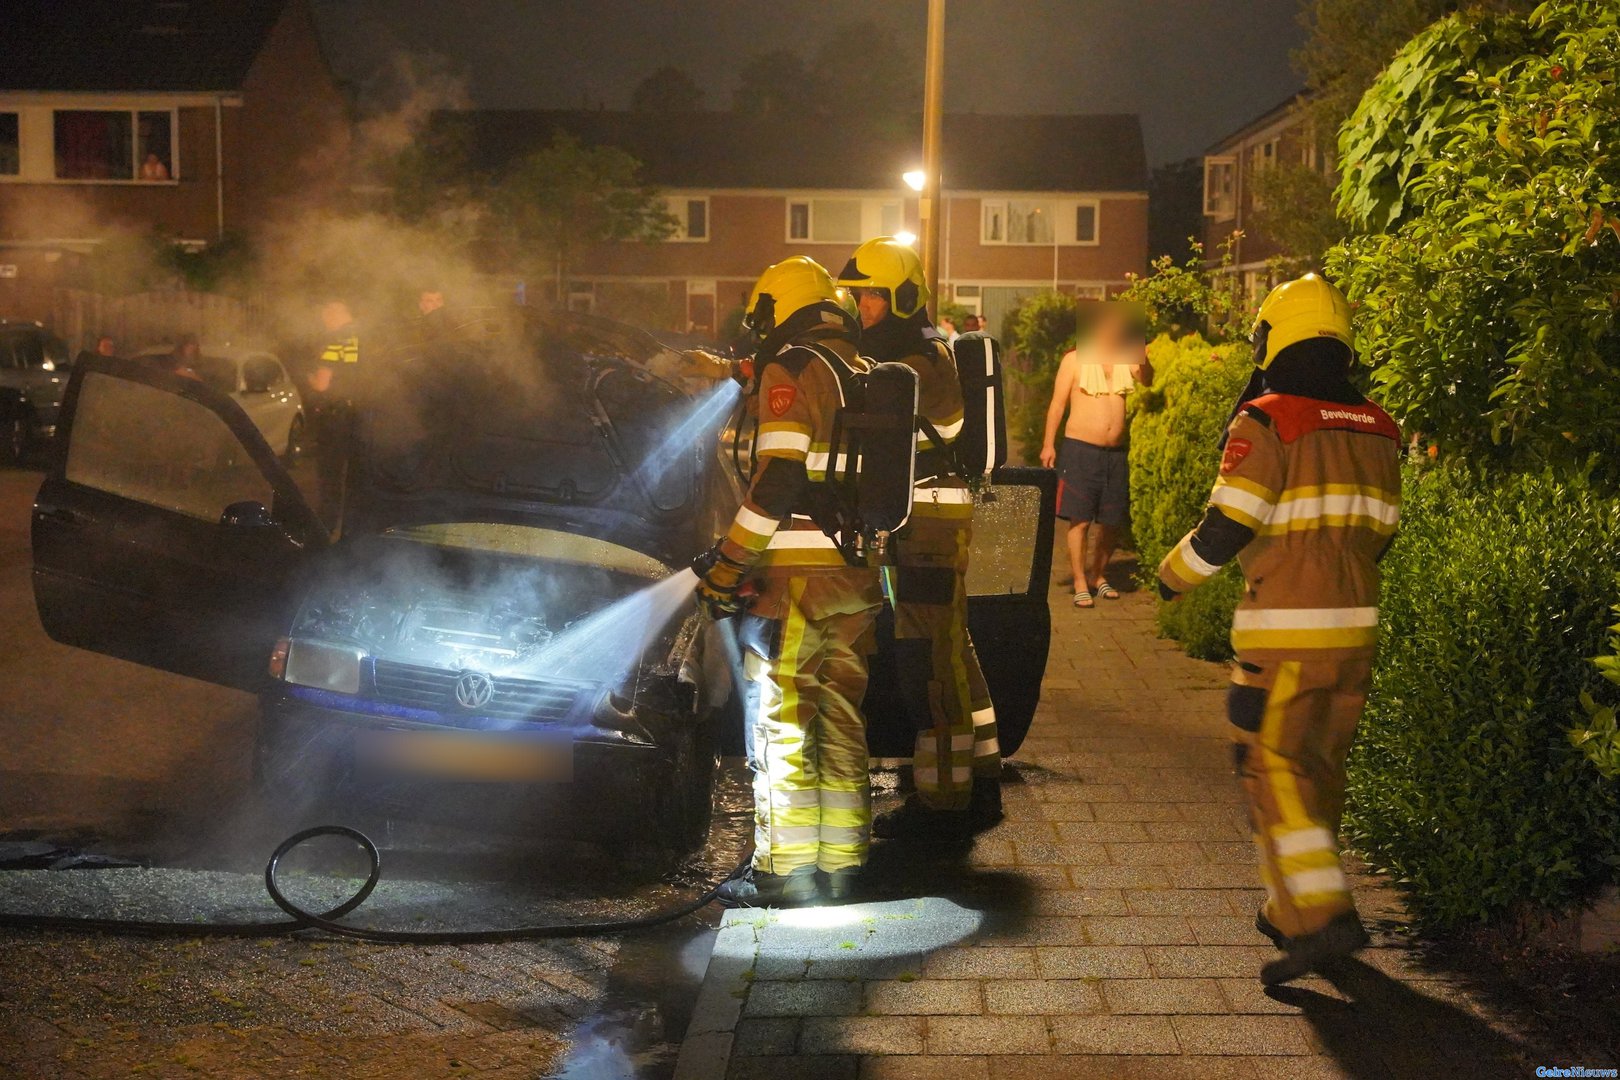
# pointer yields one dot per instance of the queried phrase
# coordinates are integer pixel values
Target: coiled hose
(302, 919)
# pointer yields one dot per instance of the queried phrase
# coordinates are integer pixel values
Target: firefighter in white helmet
(808, 634)
(1307, 500)
(956, 762)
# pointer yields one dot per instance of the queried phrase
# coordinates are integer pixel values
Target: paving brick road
(1105, 929)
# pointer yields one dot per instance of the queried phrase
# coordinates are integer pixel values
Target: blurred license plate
(459, 755)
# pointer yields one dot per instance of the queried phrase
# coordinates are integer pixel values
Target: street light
(915, 179)
(909, 239)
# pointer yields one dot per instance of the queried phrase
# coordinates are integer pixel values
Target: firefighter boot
(842, 884)
(984, 809)
(1341, 938)
(916, 820)
(756, 888)
(1269, 928)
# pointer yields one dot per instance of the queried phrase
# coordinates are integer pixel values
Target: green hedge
(1463, 782)
(1174, 462)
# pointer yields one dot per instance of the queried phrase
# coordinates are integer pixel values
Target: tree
(1489, 282)
(555, 201)
(667, 90)
(776, 84)
(1293, 205)
(1175, 208)
(860, 66)
(1349, 42)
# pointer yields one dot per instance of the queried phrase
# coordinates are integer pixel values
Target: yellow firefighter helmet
(789, 287)
(885, 263)
(1301, 310)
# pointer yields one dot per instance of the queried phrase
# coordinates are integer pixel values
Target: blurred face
(970, 324)
(335, 315)
(430, 302)
(104, 346)
(872, 304)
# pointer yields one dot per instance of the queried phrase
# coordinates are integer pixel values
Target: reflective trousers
(1294, 721)
(938, 670)
(806, 669)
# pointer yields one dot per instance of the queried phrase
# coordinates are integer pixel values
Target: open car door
(1008, 617)
(166, 532)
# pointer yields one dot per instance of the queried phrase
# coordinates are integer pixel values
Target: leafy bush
(1039, 331)
(1463, 782)
(1599, 737)
(1177, 423)
(1488, 306)
(1190, 298)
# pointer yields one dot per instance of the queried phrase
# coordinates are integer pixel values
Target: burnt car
(502, 631)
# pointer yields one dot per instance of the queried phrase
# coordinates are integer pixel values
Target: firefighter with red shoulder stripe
(808, 635)
(1307, 500)
(956, 762)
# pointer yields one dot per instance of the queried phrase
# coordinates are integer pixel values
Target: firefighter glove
(719, 580)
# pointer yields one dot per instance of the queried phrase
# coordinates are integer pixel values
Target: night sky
(1193, 69)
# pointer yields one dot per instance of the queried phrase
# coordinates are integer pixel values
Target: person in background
(947, 327)
(326, 401)
(154, 169)
(1108, 360)
(104, 346)
(971, 324)
(1308, 501)
(183, 359)
(434, 321)
(956, 759)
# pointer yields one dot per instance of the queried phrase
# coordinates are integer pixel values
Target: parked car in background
(34, 367)
(257, 382)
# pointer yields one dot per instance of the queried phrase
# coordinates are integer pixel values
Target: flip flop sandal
(1107, 591)
(1082, 599)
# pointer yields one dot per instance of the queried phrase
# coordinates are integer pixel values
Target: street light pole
(933, 109)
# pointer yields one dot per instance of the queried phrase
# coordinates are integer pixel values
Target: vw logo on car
(474, 689)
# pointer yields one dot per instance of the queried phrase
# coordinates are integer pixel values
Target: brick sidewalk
(1104, 929)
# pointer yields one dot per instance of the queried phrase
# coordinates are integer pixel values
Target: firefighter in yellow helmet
(956, 761)
(1307, 500)
(808, 634)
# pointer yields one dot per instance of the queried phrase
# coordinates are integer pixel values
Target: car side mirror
(247, 515)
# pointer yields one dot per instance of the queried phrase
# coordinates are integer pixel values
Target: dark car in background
(499, 634)
(34, 367)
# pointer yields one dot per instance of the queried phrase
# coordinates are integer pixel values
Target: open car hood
(533, 428)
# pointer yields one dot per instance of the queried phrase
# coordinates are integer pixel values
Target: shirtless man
(1093, 476)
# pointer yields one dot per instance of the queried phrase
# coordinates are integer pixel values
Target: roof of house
(723, 150)
(1293, 103)
(113, 46)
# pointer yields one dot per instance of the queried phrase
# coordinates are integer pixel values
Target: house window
(691, 216)
(1017, 221)
(825, 221)
(10, 155)
(1265, 155)
(106, 144)
(1220, 180)
(1085, 223)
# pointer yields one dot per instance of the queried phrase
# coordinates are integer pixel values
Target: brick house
(1031, 202)
(1284, 134)
(191, 119)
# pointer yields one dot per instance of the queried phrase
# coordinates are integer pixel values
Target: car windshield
(217, 371)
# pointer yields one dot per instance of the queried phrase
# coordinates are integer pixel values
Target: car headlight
(323, 666)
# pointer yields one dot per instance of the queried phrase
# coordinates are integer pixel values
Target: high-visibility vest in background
(342, 351)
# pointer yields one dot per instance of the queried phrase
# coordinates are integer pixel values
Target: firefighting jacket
(1307, 500)
(799, 398)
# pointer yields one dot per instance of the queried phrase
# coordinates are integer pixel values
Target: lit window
(691, 214)
(10, 155)
(1219, 187)
(105, 144)
(1018, 221)
(825, 221)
